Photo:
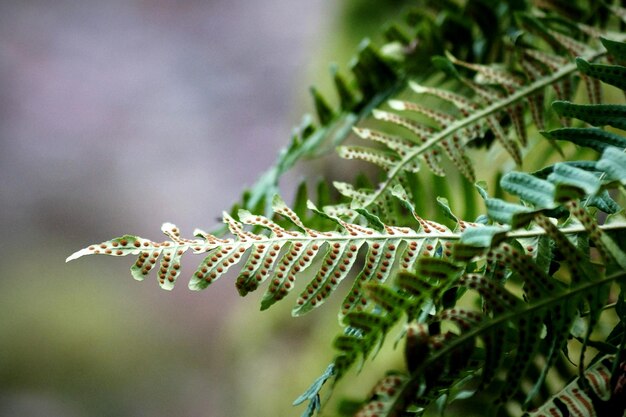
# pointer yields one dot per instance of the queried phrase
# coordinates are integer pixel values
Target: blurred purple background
(116, 116)
(173, 106)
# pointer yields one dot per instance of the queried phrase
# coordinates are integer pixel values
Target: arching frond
(282, 255)
(493, 95)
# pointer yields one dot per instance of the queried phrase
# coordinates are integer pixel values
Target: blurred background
(116, 116)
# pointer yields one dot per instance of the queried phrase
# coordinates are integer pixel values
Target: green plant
(511, 295)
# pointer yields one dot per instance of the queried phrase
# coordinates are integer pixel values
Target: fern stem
(518, 234)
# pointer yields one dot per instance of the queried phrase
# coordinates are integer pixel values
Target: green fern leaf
(312, 394)
(594, 114)
(613, 164)
(347, 97)
(383, 159)
(593, 138)
(531, 189)
(508, 213)
(575, 177)
(431, 158)
(617, 50)
(462, 103)
(611, 74)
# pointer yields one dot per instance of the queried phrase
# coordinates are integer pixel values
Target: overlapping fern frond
(489, 99)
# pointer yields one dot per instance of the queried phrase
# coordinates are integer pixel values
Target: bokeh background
(116, 116)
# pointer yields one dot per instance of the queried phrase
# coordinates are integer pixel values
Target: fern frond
(282, 255)
(447, 138)
(441, 358)
(594, 114)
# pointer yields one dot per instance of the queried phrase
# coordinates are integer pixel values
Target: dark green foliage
(489, 306)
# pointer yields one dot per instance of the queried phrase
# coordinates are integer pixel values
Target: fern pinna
(506, 297)
(602, 399)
